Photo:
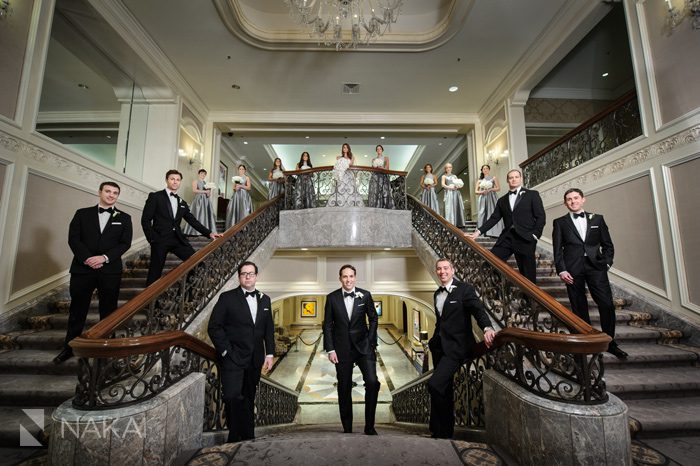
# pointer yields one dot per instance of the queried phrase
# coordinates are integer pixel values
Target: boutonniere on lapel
(522, 191)
(590, 216)
(358, 295)
(451, 288)
(116, 212)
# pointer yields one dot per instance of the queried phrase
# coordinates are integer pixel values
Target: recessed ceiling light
(245, 142)
(264, 169)
(382, 137)
(439, 143)
(307, 137)
(453, 89)
(387, 249)
(304, 249)
(323, 155)
(605, 75)
(109, 137)
(365, 155)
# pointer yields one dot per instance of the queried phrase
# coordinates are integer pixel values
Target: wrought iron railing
(140, 349)
(325, 186)
(614, 126)
(543, 346)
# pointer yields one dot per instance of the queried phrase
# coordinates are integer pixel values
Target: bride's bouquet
(210, 185)
(458, 183)
(377, 163)
(238, 179)
(341, 165)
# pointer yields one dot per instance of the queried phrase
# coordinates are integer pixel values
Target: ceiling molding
(250, 31)
(421, 119)
(119, 17)
(93, 116)
(572, 93)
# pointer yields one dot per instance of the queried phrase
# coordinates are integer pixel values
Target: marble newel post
(537, 431)
(156, 431)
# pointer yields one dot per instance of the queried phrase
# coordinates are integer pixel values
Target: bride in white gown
(346, 194)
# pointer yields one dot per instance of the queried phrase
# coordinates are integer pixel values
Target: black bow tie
(513, 192)
(250, 293)
(441, 289)
(101, 210)
(349, 295)
(174, 195)
(581, 215)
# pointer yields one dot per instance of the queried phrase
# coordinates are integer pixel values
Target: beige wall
(14, 31)
(675, 64)
(631, 231)
(684, 178)
(3, 172)
(43, 246)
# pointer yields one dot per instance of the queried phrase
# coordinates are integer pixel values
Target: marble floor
(307, 370)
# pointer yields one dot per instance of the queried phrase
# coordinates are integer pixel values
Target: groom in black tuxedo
(350, 338)
(523, 219)
(452, 343)
(583, 253)
(160, 220)
(242, 331)
(98, 236)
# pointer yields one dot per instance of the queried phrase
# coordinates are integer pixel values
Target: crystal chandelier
(345, 23)
(675, 16)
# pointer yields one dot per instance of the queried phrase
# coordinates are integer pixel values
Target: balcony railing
(614, 126)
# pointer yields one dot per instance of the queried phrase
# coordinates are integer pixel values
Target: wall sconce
(675, 16)
(191, 156)
(494, 157)
(5, 9)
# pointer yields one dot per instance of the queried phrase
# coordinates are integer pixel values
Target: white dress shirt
(103, 218)
(349, 302)
(512, 198)
(441, 298)
(581, 224)
(173, 201)
(252, 304)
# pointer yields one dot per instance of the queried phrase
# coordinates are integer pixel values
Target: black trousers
(159, 251)
(81, 287)
(440, 387)
(524, 251)
(239, 386)
(368, 367)
(599, 286)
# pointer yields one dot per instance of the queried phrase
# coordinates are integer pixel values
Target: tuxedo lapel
(340, 304)
(589, 222)
(572, 226)
(169, 207)
(95, 221)
(244, 304)
(518, 198)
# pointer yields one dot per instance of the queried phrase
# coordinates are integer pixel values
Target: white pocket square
(116, 223)
(452, 302)
(594, 226)
(360, 305)
(266, 309)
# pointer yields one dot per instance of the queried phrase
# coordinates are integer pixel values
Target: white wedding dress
(346, 193)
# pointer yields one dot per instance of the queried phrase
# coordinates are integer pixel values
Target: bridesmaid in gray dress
(275, 179)
(454, 207)
(304, 192)
(240, 205)
(379, 194)
(486, 189)
(428, 182)
(201, 206)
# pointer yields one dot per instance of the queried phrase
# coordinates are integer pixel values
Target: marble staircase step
(665, 415)
(38, 339)
(632, 334)
(36, 390)
(60, 321)
(653, 382)
(650, 356)
(29, 361)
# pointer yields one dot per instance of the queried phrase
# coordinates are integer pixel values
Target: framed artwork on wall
(223, 176)
(416, 324)
(308, 309)
(378, 308)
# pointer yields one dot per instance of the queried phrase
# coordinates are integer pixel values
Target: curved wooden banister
(327, 168)
(122, 315)
(631, 95)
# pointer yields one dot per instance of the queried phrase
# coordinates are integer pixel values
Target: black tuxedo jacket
(453, 328)
(342, 334)
(86, 240)
(232, 330)
(571, 251)
(527, 217)
(158, 222)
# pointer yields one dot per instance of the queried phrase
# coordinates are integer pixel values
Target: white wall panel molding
(325, 118)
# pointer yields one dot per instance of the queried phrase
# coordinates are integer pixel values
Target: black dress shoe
(63, 356)
(347, 431)
(370, 431)
(617, 352)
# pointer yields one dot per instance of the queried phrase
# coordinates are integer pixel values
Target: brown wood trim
(631, 95)
(353, 168)
(122, 347)
(571, 320)
(122, 315)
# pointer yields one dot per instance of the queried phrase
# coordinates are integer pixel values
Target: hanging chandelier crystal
(345, 23)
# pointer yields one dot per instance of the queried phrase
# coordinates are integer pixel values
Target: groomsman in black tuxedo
(160, 220)
(350, 338)
(583, 253)
(98, 236)
(523, 219)
(452, 343)
(242, 331)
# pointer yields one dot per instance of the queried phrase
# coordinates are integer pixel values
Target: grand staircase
(28, 377)
(659, 382)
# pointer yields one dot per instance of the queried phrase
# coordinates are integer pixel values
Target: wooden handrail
(631, 95)
(326, 168)
(122, 315)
